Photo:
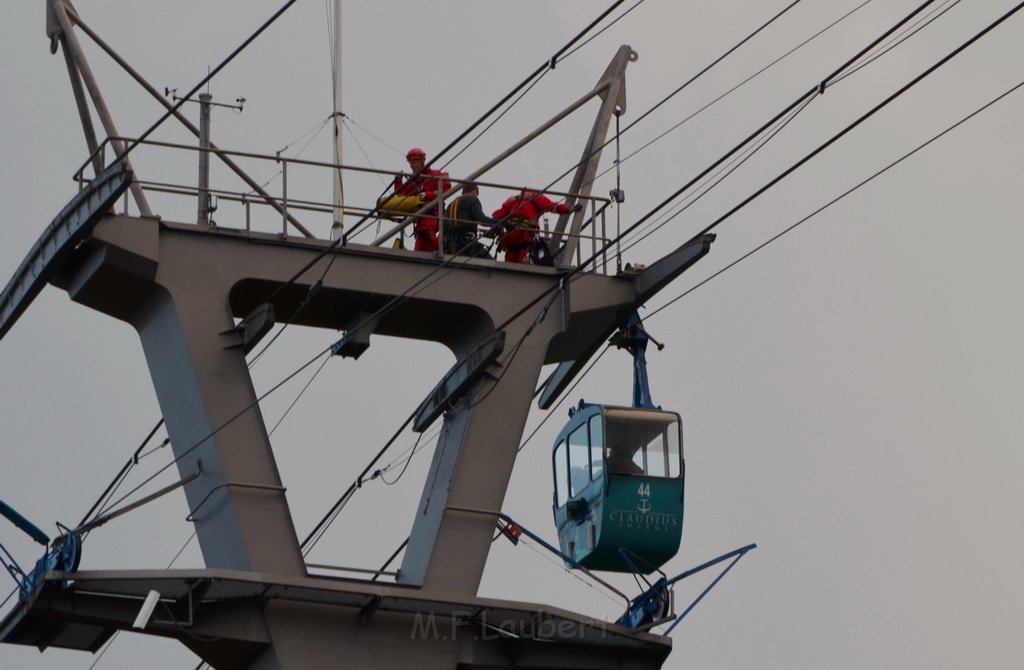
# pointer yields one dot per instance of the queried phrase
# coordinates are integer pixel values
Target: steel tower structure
(201, 296)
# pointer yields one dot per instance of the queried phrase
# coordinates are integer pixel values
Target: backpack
(540, 253)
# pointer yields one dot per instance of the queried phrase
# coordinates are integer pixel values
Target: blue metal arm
(64, 555)
(736, 555)
(645, 609)
(21, 522)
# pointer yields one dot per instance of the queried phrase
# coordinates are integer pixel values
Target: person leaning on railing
(520, 215)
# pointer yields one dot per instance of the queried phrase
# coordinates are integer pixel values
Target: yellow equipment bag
(398, 206)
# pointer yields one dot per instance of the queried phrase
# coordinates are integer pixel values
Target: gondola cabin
(618, 494)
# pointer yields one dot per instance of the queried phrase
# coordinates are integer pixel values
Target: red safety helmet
(415, 153)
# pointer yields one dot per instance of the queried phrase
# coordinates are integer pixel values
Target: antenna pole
(339, 193)
(204, 159)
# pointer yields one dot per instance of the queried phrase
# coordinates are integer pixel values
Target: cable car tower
(201, 296)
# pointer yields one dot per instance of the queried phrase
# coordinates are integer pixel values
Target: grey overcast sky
(851, 392)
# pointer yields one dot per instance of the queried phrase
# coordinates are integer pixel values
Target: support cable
(355, 123)
(541, 71)
(875, 175)
(582, 265)
(121, 475)
(311, 134)
(860, 120)
(325, 522)
(571, 273)
(561, 400)
(839, 197)
(912, 30)
(892, 97)
(404, 467)
(205, 80)
(537, 80)
(490, 125)
(803, 220)
(817, 90)
(643, 219)
(391, 558)
(809, 94)
(223, 425)
(732, 90)
(392, 304)
(640, 234)
(299, 396)
(532, 546)
(603, 30)
(343, 238)
(680, 88)
(649, 111)
(369, 161)
(620, 196)
(712, 64)
(174, 109)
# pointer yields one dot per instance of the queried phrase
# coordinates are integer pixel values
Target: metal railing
(289, 200)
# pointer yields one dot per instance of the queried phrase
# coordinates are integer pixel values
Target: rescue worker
(463, 218)
(520, 216)
(423, 183)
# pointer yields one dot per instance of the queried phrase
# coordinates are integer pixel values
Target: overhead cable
(210, 75)
(120, 476)
(768, 125)
(548, 65)
(897, 40)
(230, 420)
(527, 82)
(839, 197)
(732, 90)
(867, 115)
(789, 229)
(712, 64)
(325, 522)
(574, 272)
(712, 181)
(816, 90)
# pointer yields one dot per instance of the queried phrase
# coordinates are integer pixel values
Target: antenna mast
(339, 192)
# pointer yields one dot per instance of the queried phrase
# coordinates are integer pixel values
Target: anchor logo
(644, 506)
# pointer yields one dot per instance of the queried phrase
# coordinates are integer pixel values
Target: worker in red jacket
(423, 183)
(520, 216)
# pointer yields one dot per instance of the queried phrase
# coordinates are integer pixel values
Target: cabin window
(675, 456)
(596, 446)
(561, 475)
(641, 442)
(661, 456)
(624, 459)
(579, 460)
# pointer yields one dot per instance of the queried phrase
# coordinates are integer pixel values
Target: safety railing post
(248, 208)
(284, 197)
(604, 241)
(593, 233)
(440, 217)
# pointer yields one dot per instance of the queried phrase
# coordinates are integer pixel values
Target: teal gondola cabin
(618, 495)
